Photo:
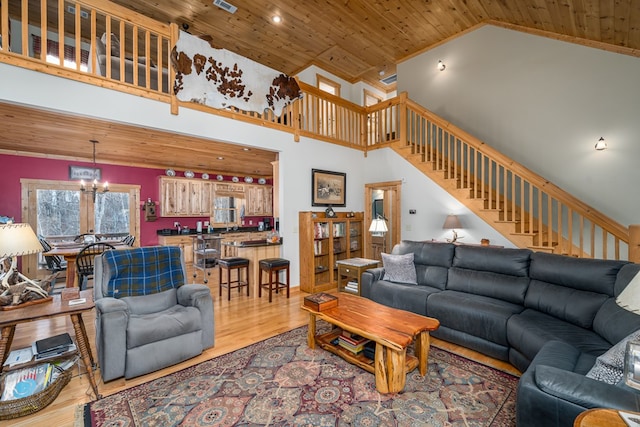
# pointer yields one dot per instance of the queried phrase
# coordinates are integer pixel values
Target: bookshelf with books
(323, 241)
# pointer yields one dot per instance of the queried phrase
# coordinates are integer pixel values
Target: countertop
(251, 243)
(221, 231)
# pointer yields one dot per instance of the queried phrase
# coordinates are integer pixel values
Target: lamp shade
(17, 240)
(629, 298)
(451, 222)
(378, 225)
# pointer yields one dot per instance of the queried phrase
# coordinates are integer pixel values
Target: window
(59, 211)
(53, 52)
(227, 211)
(328, 85)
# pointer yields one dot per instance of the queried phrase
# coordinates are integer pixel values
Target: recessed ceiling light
(246, 149)
(220, 158)
(276, 19)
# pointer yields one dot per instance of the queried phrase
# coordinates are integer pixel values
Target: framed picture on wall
(88, 173)
(328, 188)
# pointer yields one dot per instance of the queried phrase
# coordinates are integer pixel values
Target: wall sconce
(441, 65)
(451, 223)
(601, 144)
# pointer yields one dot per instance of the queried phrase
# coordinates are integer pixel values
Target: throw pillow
(115, 44)
(399, 268)
(609, 367)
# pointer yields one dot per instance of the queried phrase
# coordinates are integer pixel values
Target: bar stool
(229, 264)
(273, 266)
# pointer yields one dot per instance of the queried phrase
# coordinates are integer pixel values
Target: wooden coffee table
(391, 329)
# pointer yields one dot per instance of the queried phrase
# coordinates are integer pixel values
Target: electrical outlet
(412, 211)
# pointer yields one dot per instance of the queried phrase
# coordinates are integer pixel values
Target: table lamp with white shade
(17, 240)
(379, 228)
(451, 223)
(629, 299)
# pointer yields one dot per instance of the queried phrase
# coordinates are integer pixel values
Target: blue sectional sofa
(550, 316)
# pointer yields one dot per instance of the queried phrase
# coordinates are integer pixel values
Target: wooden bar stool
(273, 267)
(240, 264)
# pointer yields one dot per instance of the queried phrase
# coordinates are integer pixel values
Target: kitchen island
(254, 251)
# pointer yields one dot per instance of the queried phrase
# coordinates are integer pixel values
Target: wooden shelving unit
(323, 241)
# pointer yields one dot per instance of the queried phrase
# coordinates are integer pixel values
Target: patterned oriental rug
(281, 382)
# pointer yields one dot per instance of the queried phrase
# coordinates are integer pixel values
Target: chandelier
(95, 183)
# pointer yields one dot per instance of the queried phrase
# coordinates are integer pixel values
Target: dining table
(70, 250)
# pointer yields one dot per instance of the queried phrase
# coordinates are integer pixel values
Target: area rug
(281, 382)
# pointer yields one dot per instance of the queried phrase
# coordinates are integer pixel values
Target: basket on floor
(16, 408)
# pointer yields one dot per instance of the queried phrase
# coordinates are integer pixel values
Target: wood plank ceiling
(357, 40)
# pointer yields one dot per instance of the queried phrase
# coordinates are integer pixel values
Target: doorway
(382, 200)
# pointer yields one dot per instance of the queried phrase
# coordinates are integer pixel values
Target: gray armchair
(147, 318)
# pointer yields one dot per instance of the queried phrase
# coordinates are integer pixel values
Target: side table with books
(350, 273)
(59, 346)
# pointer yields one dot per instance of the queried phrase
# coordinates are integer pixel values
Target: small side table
(352, 268)
(600, 417)
(10, 318)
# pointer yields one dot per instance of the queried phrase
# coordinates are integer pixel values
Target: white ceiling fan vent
(225, 6)
(390, 79)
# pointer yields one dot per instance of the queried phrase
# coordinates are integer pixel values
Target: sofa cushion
(494, 285)
(401, 295)
(431, 260)
(175, 321)
(474, 314)
(591, 275)
(399, 268)
(609, 367)
(529, 330)
(513, 262)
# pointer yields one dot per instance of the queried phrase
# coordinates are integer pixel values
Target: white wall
(431, 202)
(544, 103)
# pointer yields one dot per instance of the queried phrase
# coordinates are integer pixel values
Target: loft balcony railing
(63, 38)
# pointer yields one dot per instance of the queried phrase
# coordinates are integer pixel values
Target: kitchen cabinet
(239, 237)
(185, 197)
(259, 200)
(183, 241)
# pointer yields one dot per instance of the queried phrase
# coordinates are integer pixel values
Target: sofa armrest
(112, 318)
(370, 277)
(199, 296)
(583, 391)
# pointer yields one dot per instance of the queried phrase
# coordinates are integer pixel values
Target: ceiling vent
(390, 79)
(225, 6)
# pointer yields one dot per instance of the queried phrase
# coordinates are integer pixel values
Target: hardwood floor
(238, 323)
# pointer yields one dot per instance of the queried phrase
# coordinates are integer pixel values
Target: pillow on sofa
(115, 44)
(399, 268)
(609, 367)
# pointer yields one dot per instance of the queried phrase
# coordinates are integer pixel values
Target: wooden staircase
(527, 209)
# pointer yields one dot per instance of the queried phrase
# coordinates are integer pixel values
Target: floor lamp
(379, 228)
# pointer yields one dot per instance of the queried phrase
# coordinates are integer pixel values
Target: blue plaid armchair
(147, 318)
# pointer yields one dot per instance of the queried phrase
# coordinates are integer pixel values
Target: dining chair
(85, 259)
(54, 262)
(129, 240)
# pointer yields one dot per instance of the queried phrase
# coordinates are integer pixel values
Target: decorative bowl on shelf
(235, 179)
(262, 181)
(189, 174)
(248, 179)
(205, 176)
(170, 172)
(219, 177)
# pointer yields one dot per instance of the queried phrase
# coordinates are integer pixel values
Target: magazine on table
(26, 381)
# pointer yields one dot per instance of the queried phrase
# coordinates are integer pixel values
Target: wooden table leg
(390, 369)
(5, 343)
(422, 351)
(85, 350)
(311, 333)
